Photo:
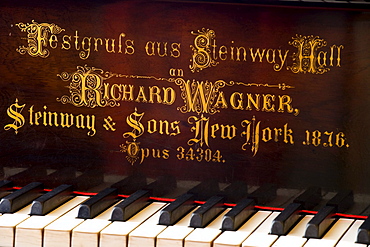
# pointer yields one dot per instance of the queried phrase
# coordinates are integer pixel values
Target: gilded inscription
(309, 58)
(39, 37)
(49, 119)
(88, 88)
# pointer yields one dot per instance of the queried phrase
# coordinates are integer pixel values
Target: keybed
(62, 227)
(231, 123)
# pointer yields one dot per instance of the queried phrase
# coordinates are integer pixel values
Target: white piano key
(204, 237)
(349, 239)
(116, 234)
(58, 233)
(173, 236)
(87, 233)
(146, 233)
(236, 238)
(30, 232)
(8, 222)
(331, 238)
(295, 236)
(261, 237)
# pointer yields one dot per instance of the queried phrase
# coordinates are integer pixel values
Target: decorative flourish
(132, 149)
(199, 96)
(37, 38)
(110, 74)
(306, 59)
(87, 89)
(281, 86)
(201, 58)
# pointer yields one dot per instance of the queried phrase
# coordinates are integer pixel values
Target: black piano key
(5, 186)
(264, 194)
(245, 208)
(21, 197)
(51, 200)
(342, 201)
(205, 190)
(238, 215)
(290, 215)
(286, 219)
(87, 180)
(162, 186)
(185, 203)
(320, 223)
(363, 234)
(98, 203)
(207, 212)
(32, 174)
(130, 206)
(177, 209)
(130, 184)
(309, 198)
(235, 192)
(214, 206)
(60, 176)
(140, 199)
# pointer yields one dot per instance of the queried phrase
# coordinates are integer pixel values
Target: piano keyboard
(63, 228)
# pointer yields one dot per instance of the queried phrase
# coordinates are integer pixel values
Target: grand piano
(184, 123)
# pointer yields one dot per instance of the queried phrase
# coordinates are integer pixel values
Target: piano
(184, 123)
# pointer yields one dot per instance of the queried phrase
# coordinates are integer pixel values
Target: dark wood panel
(194, 69)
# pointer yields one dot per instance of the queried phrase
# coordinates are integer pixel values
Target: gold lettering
(141, 95)
(214, 129)
(133, 120)
(53, 41)
(254, 102)
(128, 92)
(154, 91)
(278, 67)
(130, 49)
(175, 52)
(200, 129)
(64, 120)
(306, 57)
(288, 137)
(236, 101)
(14, 111)
(122, 35)
(66, 45)
(266, 134)
(201, 57)
(96, 40)
(164, 54)
(165, 154)
(221, 101)
(257, 53)
(321, 55)
(252, 135)
(222, 52)
(268, 55)
(228, 131)
(175, 127)
(285, 102)
(111, 50)
(38, 38)
(85, 53)
(244, 51)
(338, 54)
(149, 48)
(163, 127)
(267, 105)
